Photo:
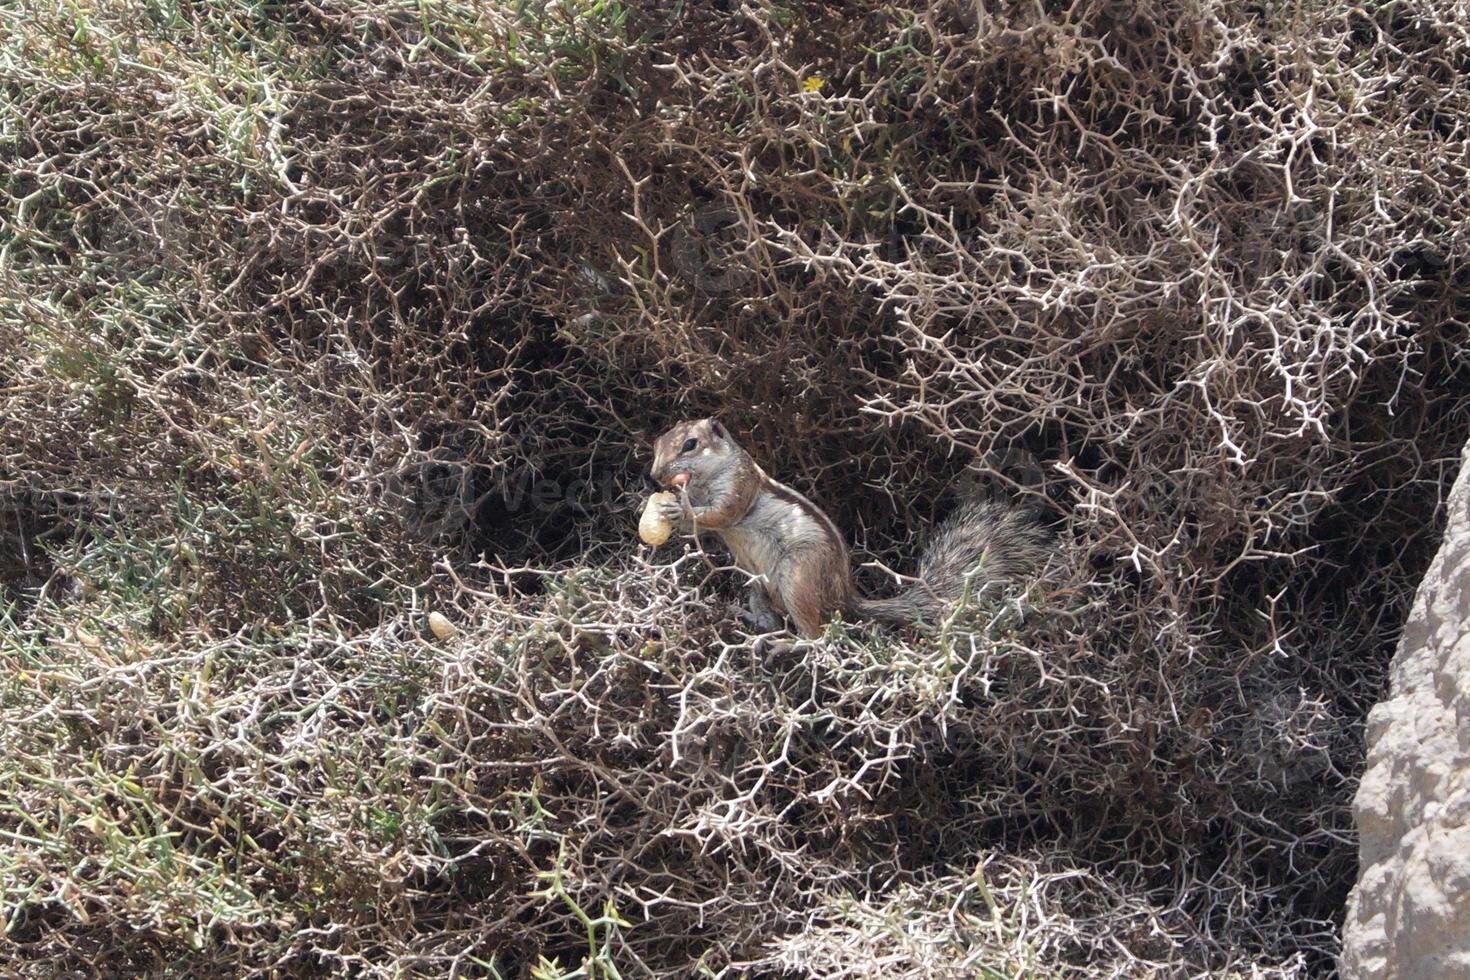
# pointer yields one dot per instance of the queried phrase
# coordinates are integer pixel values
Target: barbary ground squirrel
(797, 556)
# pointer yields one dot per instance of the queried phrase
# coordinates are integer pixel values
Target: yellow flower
(813, 83)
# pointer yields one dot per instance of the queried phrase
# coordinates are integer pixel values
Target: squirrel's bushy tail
(997, 542)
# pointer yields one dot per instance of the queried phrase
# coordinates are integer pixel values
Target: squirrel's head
(690, 450)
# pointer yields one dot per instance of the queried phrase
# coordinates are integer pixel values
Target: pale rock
(1408, 917)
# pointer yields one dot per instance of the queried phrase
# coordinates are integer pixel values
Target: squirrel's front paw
(670, 511)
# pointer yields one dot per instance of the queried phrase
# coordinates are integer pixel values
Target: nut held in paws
(651, 528)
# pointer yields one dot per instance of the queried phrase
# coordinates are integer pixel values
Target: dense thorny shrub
(319, 316)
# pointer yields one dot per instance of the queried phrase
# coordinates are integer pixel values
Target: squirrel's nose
(651, 482)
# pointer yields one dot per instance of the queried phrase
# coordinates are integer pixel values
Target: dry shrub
(319, 316)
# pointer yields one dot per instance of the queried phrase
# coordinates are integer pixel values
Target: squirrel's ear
(717, 428)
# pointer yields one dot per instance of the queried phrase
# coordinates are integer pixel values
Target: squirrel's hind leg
(805, 602)
(759, 612)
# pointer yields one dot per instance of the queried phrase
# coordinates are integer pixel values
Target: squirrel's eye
(689, 446)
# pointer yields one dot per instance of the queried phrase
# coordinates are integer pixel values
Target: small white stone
(441, 627)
